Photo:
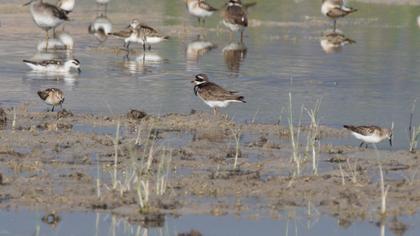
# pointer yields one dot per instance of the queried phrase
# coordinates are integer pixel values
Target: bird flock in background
(234, 16)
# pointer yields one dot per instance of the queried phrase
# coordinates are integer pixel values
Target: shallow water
(291, 223)
(373, 81)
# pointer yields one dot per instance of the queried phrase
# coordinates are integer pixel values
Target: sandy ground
(63, 161)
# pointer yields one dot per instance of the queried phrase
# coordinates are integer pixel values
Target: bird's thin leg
(242, 36)
(366, 145)
(361, 144)
(214, 111)
(52, 110)
(46, 45)
(335, 24)
(144, 46)
(128, 46)
(199, 20)
(150, 47)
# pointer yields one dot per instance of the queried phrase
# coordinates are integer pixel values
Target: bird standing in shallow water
(52, 96)
(235, 16)
(200, 9)
(214, 95)
(370, 133)
(335, 9)
(46, 16)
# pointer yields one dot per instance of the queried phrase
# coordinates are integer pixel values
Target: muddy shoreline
(65, 162)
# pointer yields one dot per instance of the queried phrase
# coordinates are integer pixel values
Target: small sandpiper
(46, 16)
(54, 65)
(214, 95)
(370, 133)
(137, 32)
(235, 16)
(52, 96)
(200, 9)
(66, 5)
(149, 35)
(335, 9)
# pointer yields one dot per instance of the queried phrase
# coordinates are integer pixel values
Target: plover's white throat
(370, 133)
(235, 16)
(333, 42)
(54, 65)
(214, 95)
(66, 5)
(52, 96)
(335, 9)
(200, 9)
(46, 16)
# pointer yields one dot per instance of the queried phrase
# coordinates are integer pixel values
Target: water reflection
(142, 62)
(100, 27)
(61, 41)
(234, 54)
(333, 42)
(199, 48)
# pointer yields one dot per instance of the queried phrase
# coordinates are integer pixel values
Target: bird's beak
(390, 142)
(26, 4)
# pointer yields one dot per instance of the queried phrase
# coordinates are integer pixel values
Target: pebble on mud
(136, 114)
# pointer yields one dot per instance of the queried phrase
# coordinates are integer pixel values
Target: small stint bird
(52, 96)
(335, 9)
(54, 65)
(140, 33)
(200, 9)
(333, 42)
(235, 16)
(370, 133)
(46, 16)
(214, 95)
(66, 5)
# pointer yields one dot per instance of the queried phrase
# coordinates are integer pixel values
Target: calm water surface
(30, 223)
(373, 81)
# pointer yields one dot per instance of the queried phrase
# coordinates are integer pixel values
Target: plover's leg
(144, 46)
(128, 46)
(52, 110)
(150, 47)
(242, 36)
(335, 24)
(214, 111)
(366, 145)
(361, 144)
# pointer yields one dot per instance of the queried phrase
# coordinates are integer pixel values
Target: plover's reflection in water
(62, 41)
(332, 42)
(142, 62)
(234, 54)
(100, 28)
